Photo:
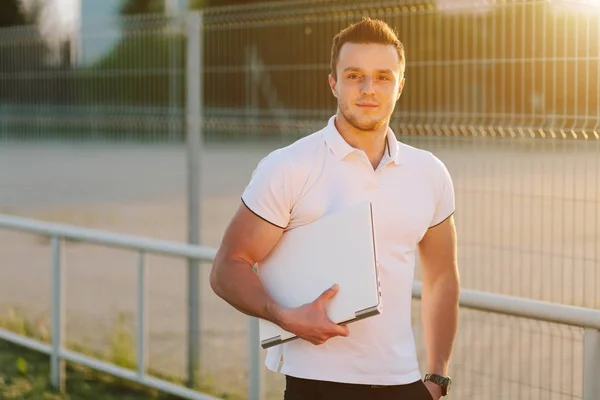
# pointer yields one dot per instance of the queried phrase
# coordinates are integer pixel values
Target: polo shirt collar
(342, 149)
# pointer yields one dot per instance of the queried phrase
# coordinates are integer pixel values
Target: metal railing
(589, 319)
(56, 349)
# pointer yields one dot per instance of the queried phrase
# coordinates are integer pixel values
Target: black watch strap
(442, 381)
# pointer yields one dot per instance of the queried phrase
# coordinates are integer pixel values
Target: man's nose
(367, 86)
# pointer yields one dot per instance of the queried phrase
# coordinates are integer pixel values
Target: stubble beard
(369, 125)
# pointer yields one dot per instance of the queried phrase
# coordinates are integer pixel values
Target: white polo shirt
(411, 191)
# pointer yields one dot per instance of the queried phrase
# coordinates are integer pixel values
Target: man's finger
(328, 294)
(342, 330)
(338, 329)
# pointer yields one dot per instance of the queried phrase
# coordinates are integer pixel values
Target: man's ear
(400, 88)
(332, 84)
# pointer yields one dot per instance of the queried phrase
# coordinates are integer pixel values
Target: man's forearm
(440, 320)
(239, 286)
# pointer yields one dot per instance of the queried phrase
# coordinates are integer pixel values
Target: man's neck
(373, 143)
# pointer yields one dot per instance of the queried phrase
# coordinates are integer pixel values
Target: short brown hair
(366, 31)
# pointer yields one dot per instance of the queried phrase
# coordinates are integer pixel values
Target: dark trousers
(307, 389)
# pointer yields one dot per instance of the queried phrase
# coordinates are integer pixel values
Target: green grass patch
(25, 373)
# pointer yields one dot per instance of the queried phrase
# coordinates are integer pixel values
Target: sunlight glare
(66, 13)
(460, 6)
(585, 6)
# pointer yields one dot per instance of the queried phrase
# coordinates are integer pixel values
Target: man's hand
(310, 321)
(434, 390)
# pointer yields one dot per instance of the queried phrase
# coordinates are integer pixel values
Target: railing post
(255, 369)
(591, 364)
(142, 320)
(57, 364)
(194, 113)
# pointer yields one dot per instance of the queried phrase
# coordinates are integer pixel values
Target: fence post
(255, 369)
(57, 364)
(194, 112)
(591, 364)
(142, 317)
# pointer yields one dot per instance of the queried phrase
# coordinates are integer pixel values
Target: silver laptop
(338, 248)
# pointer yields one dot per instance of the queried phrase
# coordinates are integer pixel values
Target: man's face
(369, 82)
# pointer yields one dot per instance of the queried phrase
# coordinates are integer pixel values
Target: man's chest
(403, 203)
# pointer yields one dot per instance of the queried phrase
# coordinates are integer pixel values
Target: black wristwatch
(442, 381)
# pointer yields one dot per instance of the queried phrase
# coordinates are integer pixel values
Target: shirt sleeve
(445, 196)
(269, 193)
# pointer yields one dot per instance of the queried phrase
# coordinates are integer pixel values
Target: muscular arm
(441, 288)
(247, 239)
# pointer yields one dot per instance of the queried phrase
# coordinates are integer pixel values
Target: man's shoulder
(297, 151)
(421, 157)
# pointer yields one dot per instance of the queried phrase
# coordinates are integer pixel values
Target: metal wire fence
(94, 86)
(500, 357)
(505, 92)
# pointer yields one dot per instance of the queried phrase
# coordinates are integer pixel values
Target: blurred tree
(11, 13)
(195, 4)
(134, 7)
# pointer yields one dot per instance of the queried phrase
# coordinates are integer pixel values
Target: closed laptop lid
(338, 248)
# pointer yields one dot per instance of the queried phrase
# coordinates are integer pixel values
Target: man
(356, 157)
